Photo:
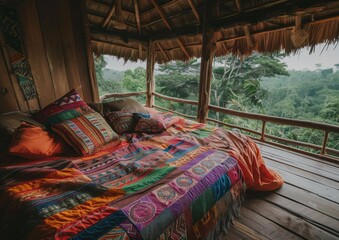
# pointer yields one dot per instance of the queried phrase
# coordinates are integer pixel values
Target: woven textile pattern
(86, 133)
(184, 183)
(121, 121)
(149, 123)
(67, 107)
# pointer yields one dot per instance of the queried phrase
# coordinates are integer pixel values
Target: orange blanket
(257, 176)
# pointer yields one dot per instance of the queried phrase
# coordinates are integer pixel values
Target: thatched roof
(240, 26)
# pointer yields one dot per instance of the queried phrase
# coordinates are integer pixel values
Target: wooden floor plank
(310, 200)
(266, 227)
(234, 234)
(322, 164)
(302, 173)
(247, 232)
(311, 186)
(305, 207)
(287, 220)
(315, 170)
(310, 215)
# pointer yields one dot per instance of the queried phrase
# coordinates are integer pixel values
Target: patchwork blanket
(185, 183)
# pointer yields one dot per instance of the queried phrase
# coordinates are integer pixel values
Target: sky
(300, 61)
(303, 60)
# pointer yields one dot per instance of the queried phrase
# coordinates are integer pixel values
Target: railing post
(150, 83)
(323, 150)
(262, 138)
(208, 51)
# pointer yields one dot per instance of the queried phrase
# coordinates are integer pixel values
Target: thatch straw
(255, 25)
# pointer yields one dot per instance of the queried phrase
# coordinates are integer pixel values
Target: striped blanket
(184, 183)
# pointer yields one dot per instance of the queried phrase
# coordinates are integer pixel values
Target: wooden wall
(57, 47)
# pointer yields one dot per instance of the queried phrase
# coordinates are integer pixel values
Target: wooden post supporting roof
(150, 84)
(208, 51)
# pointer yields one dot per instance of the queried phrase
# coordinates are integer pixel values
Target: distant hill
(114, 75)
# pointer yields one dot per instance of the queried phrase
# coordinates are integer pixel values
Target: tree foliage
(258, 83)
(238, 80)
(135, 80)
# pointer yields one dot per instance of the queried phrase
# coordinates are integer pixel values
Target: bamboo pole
(208, 51)
(150, 84)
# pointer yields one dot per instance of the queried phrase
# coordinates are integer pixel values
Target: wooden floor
(306, 207)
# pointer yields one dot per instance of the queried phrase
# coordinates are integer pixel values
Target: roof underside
(240, 26)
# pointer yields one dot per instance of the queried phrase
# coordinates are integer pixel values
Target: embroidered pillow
(67, 107)
(33, 142)
(149, 123)
(87, 133)
(121, 121)
(169, 119)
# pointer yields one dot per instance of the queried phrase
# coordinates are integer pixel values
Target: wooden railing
(324, 151)
(263, 137)
(120, 95)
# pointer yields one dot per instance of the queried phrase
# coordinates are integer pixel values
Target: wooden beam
(163, 52)
(118, 34)
(163, 17)
(137, 20)
(162, 14)
(298, 22)
(140, 51)
(248, 36)
(150, 84)
(246, 17)
(121, 95)
(208, 51)
(183, 48)
(194, 9)
(238, 3)
(270, 30)
(137, 15)
(278, 120)
(109, 15)
(89, 52)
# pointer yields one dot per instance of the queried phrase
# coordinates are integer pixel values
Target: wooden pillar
(150, 83)
(208, 51)
(89, 52)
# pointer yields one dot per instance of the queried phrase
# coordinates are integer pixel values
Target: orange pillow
(32, 142)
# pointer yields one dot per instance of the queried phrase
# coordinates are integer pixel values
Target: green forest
(257, 84)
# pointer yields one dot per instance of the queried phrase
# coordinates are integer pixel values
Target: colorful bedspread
(184, 183)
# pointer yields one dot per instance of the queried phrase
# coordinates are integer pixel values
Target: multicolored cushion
(121, 121)
(87, 133)
(67, 107)
(149, 123)
(169, 119)
(33, 142)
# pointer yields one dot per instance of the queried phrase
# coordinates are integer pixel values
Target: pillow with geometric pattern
(149, 123)
(86, 134)
(121, 121)
(67, 107)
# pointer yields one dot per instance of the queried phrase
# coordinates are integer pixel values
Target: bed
(184, 182)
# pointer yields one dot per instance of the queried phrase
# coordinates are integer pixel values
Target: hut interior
(47, 49)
